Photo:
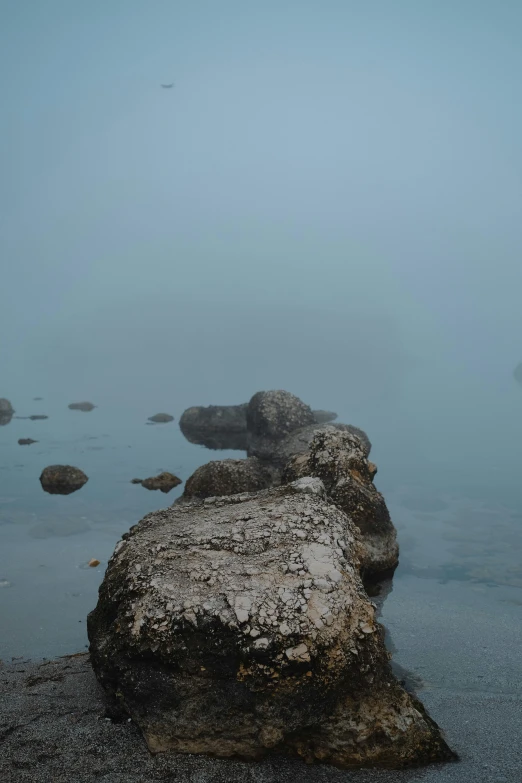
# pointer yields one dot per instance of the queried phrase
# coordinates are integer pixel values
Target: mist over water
(328, 201)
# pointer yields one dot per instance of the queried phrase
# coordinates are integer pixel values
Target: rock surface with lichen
(271, 416)
(227, 477)
(298, 442)
(238, 626)
(339, 459)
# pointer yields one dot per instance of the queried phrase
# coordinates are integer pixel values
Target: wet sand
(463, 645)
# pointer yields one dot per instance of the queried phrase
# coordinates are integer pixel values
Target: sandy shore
(54, 729)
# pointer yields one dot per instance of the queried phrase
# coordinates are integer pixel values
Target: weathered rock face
(227, 477)
(298, 442)
(161, 418)
(82, 406)
(236, 626)
(216, 426)
(163, 481)
(271, 416)
(339, 460)
(62, 479)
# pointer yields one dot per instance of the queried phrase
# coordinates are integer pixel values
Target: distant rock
(62, 479)
(161, 418)
(37, 399)
(6, 411)
(271, 416)
(227, 477)
(164, 482)
(216, 426)
(339, 460)
(82, 406)
(38, 417)
(239, 626)
(323, 417)
(26, 441)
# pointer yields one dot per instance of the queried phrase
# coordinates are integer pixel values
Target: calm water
(46, 541)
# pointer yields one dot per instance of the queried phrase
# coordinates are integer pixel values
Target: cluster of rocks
(237, 623)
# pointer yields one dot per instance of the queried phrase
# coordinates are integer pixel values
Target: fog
(329, 201)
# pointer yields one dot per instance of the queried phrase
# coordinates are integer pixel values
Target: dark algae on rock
(62, 479)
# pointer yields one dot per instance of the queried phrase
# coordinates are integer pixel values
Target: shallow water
(46, 541)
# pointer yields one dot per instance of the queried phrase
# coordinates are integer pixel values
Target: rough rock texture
(237, 626)
(271, 416)
(6, 411)
(227, 477)
(298, 442)
(323, 417)
(339, 460)
(216, 427)
(82, 406)
(62, 479)
(161, 418)
(164, 482)
(26, 441)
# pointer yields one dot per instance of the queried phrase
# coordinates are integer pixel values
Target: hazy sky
(330, 199)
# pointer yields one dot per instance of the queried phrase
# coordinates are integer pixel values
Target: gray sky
(329, 201)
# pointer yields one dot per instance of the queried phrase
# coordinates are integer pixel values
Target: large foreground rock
(339, 459)
(227, 477)
(62, 479)
(238, 626)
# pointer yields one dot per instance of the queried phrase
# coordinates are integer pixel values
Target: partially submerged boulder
(82, 406)
(216, 426)
(323, 417)
(163, 481)
(271, 416)
(238, 626)
(339, 459)
(26, 441)
(6, 411)
(62, 479)
(161, 418)
(227, 477)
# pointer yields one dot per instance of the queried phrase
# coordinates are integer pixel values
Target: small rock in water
(93, 563)
(26, 441)
(38, 417)
(62, 479)
(82, 406)
(37, 399)
(136, 481)
(164, 482)
(161, 418)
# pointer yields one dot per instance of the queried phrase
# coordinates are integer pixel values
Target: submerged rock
(82, 406)
(271, 416)
(340, 461)
(26, 441)
(238, 626)
(37, 417)
(6, 411)
(164, 482)
(62, 479)
(323, 417)
(227, 477)
(161, 418)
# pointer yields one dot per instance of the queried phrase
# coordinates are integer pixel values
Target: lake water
(46, 541)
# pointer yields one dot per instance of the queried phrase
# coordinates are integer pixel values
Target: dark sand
(464, 645)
